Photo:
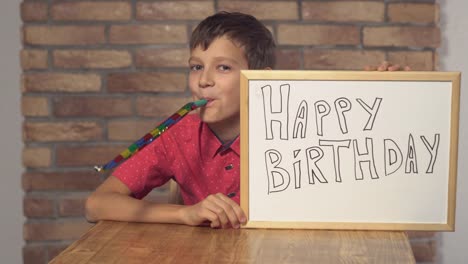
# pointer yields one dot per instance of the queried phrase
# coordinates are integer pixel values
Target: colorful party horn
(152, 135)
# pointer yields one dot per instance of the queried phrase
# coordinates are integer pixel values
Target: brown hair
(245, 30)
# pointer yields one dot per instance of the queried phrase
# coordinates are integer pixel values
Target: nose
(206, 79)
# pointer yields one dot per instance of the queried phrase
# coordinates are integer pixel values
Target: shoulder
(189, 121)
(189, 125)
(185, 130)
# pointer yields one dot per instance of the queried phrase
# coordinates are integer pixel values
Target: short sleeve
(147, 169)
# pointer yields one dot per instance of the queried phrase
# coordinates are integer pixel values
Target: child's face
(215, 76)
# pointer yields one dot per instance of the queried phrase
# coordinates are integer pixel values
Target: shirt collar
(236, 145)
(214, 145)
(229, 145)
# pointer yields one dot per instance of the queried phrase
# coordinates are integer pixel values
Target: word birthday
(307, 159)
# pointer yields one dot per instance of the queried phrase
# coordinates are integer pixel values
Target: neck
(226, 130)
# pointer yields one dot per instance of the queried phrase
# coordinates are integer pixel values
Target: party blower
(152, 135)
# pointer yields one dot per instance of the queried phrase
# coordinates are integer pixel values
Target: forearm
(119, 207)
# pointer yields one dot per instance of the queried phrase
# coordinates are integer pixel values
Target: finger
(208, 212)
(384, 66)
(225, 203)
(242, 218)
(216, 207)
(214, 220)
(215, 223)
(407, 68)
(233, 210)
(208, 216)
(395, 67)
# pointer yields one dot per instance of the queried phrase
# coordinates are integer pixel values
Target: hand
(219, 209)
(387, 66)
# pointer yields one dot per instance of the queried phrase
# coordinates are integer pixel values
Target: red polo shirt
(192, 155)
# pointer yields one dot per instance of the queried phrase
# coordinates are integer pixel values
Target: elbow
(91, 208)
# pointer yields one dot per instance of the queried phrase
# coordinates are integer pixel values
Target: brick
(288, 59)
(92, 59)
(146, 82)
(61, 131)
(324, 59)
(34, 11)
(86, 155)
(60, 181)
(91, 11)
(61, 82)
(402, 36)
(162, 57)
(34, 254)
(174, 10)
(54, 250)
(55, 230)
(129, 130)
(34, 106)
(344, 11)
(148, 34)
(38, 207)
(290, 34)
(267, 10)
(424, 251)
(160, 106)
(72, 206)
(413, 12)
(92, 106)
(37, 157)
(63, 35)
(33, 59)
(417, 60)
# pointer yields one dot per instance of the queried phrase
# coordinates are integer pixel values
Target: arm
(112, 201)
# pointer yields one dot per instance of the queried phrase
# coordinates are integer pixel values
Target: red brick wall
(99, 74)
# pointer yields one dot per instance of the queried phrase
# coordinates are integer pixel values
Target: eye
(196, 67)
(224, 68)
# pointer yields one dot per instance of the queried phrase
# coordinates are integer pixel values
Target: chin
(208, 120)
(208, 116)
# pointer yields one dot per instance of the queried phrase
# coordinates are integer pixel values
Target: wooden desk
(121, 242)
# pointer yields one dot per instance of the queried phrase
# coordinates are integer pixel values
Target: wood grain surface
(121, 242)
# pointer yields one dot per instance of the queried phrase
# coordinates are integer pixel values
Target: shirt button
(229, 167)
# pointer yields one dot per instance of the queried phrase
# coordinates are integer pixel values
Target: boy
(201, 152)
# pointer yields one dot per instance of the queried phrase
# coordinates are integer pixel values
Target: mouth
(209, 101)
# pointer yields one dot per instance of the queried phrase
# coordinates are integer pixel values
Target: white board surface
(349, 151)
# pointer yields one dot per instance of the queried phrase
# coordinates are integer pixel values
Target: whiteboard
(349, 150)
